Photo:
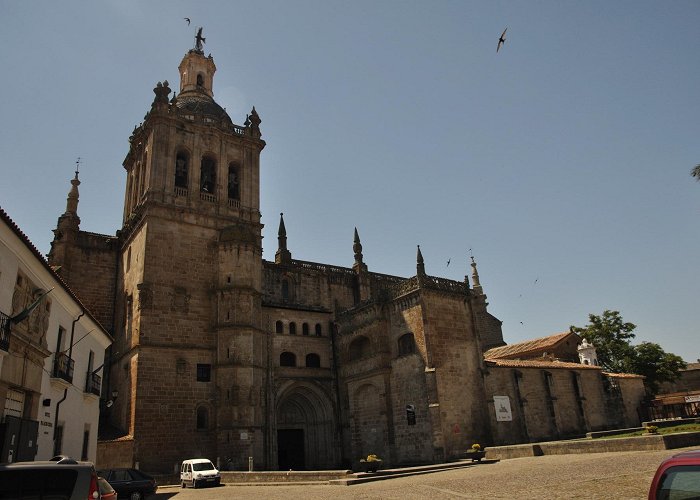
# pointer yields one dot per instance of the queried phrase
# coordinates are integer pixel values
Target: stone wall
(689, 381)
(632, 392)
(555, 402)
(113, 454)
(454, 354)
(91, 274)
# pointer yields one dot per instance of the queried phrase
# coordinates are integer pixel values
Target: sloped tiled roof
(623, 375)
(536, 363)
(524, 348)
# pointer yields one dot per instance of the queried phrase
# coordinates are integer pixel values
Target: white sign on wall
(502, 406)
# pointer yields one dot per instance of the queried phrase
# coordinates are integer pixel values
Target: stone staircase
(335, 477)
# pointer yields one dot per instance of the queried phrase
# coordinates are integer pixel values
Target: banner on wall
(502, 406)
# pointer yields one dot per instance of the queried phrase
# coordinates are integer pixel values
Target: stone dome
(201, 105)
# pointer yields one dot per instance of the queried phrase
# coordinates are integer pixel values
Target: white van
(199, 471)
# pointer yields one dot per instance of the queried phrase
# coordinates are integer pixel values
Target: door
(290, 449)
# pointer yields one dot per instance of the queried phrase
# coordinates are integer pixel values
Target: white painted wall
(79, 411)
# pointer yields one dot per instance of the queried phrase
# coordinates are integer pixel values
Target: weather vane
(199, 40)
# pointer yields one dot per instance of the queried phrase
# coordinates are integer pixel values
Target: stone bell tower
(190, 354)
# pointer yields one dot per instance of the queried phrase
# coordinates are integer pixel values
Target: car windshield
(681, 482)
(203, 466)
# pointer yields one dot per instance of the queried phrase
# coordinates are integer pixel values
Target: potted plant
(652, 429)
(371, 464)
(476, 452)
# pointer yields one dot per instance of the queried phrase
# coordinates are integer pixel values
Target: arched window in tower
(200, 80)
(359, 348)
(305, 329)
(285, 289)
(279, 327)
(292, 328)
(288, 359)
(128, 318)
(182, 163)
(144, 178)
(202, 418)
(313, 360)
(233, 182)
(207, 175)
(319, 330)
(139, 182)
(407, 344)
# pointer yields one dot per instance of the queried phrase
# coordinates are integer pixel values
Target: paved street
(624, 475)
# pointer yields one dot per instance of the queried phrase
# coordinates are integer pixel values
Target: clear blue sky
(563, 161)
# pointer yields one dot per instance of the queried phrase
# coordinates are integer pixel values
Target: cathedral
(222, 354)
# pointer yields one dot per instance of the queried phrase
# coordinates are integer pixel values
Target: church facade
(299, 365)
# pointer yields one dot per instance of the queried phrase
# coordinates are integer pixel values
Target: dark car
(68, 479)
(130, 483)
(678, 477)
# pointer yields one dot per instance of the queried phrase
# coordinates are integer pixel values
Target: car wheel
(184, 485)
(136, 495)
(194, 483)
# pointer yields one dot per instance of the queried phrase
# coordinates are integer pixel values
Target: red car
(677, 477)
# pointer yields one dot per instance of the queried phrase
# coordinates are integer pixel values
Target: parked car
(130, 483)
(199, 471)
(106, 490)
(66, 479)
(678, 477)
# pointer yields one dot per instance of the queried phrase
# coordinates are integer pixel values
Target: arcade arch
(304, 423)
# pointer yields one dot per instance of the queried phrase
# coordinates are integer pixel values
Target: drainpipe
(72, 333)
(55, 418)
(65, 391)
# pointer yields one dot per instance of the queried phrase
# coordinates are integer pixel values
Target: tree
(611, 337)
(696, 172)
(655, 364)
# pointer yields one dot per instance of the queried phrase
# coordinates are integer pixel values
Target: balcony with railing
(63, 367)
(4, 333)
(93, 384)
(204, 196)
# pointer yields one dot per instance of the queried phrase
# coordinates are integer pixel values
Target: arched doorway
(305, 423)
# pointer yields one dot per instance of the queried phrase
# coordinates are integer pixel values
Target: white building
(51, 356)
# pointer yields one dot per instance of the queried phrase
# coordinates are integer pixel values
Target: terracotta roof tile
(623, 375)
(534, 363)
(529, 346)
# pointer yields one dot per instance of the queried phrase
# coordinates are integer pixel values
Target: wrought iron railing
(4, 332)
(63, 367)
(93, 384)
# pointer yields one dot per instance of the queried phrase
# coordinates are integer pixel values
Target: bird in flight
(188, 20)
(448, 262)
(501, 40)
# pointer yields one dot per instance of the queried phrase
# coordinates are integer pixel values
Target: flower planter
(372, 466)
(476, 456)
